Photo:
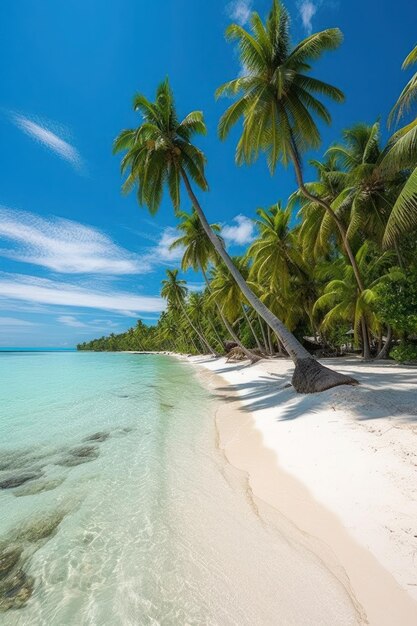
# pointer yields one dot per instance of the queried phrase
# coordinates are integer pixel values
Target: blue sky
(77, 259)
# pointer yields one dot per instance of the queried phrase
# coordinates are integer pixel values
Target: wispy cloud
(240, 11)
(307, 10)
(241, 233)
(49, 135)
(65, 246)
(70, 320)
(14, 322)
(44, 291)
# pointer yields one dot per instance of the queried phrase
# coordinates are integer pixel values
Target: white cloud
(41, 132)
(307, 10)
(44, 291)
(162, 251)
(13, 321)
(65, 246)
(70, 320)
(240, 11)
(240, 234)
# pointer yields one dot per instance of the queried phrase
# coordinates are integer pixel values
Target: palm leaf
(403, 217)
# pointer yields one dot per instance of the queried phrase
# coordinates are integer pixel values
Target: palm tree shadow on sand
(376, 397)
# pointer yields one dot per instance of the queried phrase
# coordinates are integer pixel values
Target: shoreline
(377, 572)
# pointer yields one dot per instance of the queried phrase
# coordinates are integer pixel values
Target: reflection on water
(116, 508)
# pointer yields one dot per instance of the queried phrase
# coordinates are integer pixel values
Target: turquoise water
(145, 523)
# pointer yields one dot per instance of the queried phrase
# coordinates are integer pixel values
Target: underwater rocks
(15, 480)
(101, 436)
(16, 586)
(41, 528)
(38, 487)
(8, 559)
(15, 590)
(76, 456)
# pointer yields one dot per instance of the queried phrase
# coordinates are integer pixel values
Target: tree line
(332, 266)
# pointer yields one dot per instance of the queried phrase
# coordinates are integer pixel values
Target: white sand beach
(340, 465)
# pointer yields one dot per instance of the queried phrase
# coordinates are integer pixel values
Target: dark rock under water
(15, 590)
(100, 436)
(41, 528)
(36, 487)
(80, 455)
(9, 558)
(15, 480)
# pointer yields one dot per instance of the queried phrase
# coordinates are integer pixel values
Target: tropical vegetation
(333, 267)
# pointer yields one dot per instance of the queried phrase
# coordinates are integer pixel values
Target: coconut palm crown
(277, 98)
(160, 149)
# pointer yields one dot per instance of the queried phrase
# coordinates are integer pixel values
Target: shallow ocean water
(149, 525)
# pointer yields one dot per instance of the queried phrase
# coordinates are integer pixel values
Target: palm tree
(198, 253)
(401, 154)
(197, 311)
(318, 232)
(275, 254)
(343, 300)
(277, 99)
(369, 193)
(174, 291)
(158, 152)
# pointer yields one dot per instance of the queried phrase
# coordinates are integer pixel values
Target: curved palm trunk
(327, 207)
(250, 355)
(201, 337)
(309, 375)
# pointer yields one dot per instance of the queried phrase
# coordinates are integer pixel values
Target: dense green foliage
(336, 262)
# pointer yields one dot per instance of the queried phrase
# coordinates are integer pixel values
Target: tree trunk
(204, 342)
(365, 340)
(384, 352)
(216, 334)
(261, 324)
(251, 356)
(258, 343)
(279, 344)
(270, 346)
(309, 375)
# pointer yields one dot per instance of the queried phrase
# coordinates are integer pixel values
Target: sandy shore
(340, 465)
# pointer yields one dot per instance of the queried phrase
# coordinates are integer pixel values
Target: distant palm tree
(198, 253)
(402, 154)
(174, 291)
(159, 152)
(277, 98)
(227, 292)
(199, 314)
(344, 302)
(275, 253)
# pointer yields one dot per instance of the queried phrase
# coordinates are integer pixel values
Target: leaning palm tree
(159, 152)
(277, 99)
(401, 154)
(198, 253)
(174, 291)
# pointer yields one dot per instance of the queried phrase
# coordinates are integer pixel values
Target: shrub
(404, 352)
